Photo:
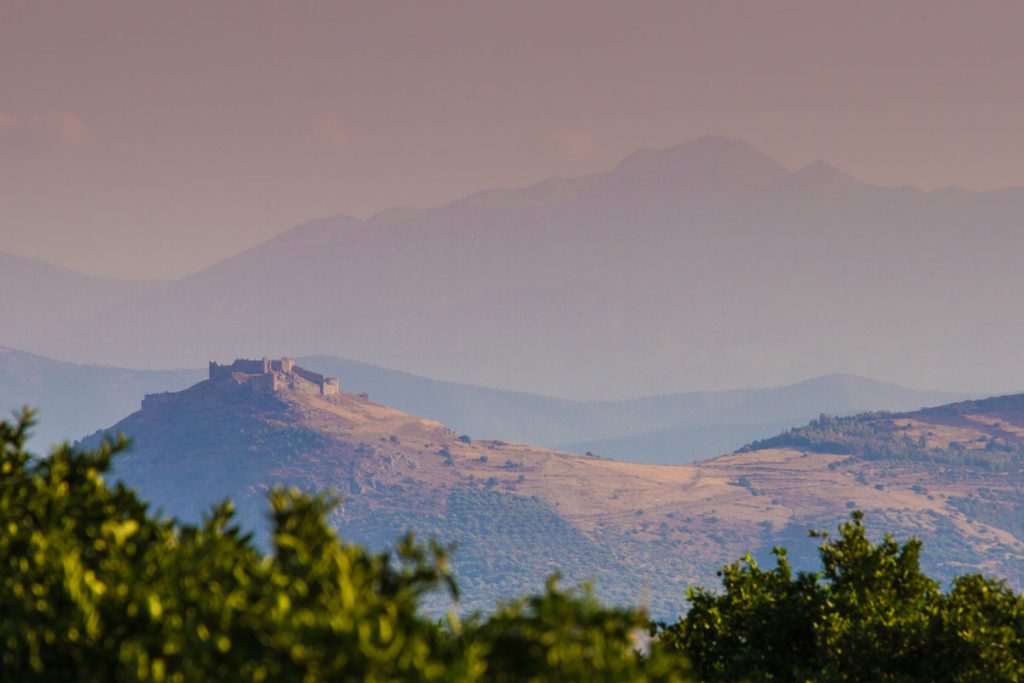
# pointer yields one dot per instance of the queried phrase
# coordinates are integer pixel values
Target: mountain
(671, 428)
(39, 301)
(703, 265)
(77, 399)
(518, 512)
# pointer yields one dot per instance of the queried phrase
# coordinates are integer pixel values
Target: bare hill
(519, 512)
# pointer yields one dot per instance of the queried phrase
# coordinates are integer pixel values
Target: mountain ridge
(676, 427)
(678, 271)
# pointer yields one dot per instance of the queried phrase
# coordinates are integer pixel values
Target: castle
(273, 375)
(265, 375)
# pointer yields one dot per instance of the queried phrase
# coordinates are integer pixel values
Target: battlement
(273, 374)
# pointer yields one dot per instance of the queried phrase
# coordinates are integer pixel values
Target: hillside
(518, 512)
(39, 301)
(703, 265)
(670, 428)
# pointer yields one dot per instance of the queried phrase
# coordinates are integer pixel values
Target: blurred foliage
(869, 614)
(568, 636)
(93, 587)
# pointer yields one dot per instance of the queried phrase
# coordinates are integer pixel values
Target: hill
(674, 428)
(670, 428)
(78, 399)
(519, 512)
(39, 301)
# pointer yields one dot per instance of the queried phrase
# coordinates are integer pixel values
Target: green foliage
(869, 614)
(981, 628)
(567, 636)
(95, 588)
(871, 435)
(875, 436)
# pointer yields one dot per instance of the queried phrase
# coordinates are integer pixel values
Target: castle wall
(314, 377)
(249, 367)
(265, 382)
(219, 371)
(269, 374)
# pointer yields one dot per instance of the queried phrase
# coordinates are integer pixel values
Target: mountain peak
(820, 172)
(708, 155)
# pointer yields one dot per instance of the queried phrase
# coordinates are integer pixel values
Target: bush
(870, 614)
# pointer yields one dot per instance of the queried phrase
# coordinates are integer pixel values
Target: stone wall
(265, 374)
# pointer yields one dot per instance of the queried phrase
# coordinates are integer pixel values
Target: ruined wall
(249, 367)
(265, 382)
(217, 371)
(270, 374)
(314, 377)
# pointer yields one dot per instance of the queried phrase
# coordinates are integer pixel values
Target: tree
(870, 614)
(568, 636)
(93, 587)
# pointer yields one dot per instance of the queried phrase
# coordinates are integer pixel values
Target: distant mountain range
(40, 302)
(674, 428)
(953, 476)
(704, 265)
(77, 399)
(671, 428)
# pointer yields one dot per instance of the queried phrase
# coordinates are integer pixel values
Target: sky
(150, 140)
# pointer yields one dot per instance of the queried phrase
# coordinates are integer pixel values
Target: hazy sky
(146, 139)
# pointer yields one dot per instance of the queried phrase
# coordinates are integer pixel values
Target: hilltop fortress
(273, 375)
(260, 376)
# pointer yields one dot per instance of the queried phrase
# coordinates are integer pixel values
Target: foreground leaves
(870, 614)
(94, 587)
